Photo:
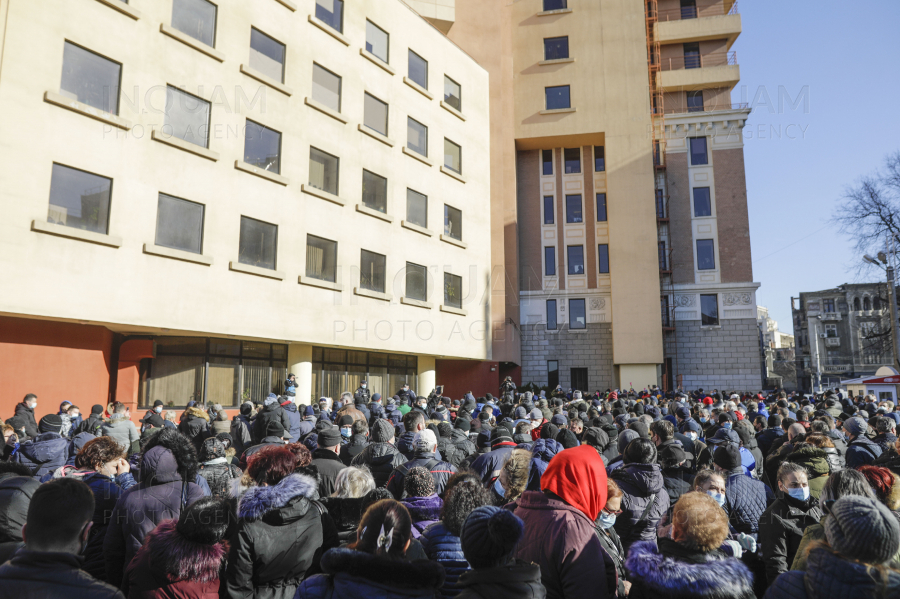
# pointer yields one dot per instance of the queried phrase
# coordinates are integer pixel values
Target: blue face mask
(727, 425)
(719, 497)
(607, 520)
(703, 420)
(346, 432)
(801, 493)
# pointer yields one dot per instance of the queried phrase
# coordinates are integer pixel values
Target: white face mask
(158, 409)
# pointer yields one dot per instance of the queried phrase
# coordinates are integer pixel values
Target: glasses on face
(611, 513)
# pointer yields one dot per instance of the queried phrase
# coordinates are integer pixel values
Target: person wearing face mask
(782, 524)
(156, 409)
(362, 394)
(604, 523)
(54, 539)
(345, 422)
(25, 413)
(357, 442)
(92, 423)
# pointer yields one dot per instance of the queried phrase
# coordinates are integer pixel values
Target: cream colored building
(247, 247)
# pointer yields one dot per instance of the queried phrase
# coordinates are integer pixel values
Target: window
(601, 207)
(336, 370)
(828, 305)
(579, 378)
(549, 261)
(702, 204)
(179, 224)
(663, 256)
(187, 117)
(266, 55)
(452, 93)
(575, 254)
(856, 305)
(688, 9)
(377, 40)
(660, 204)
(416, 282)
(695, 101)
(603, 258)
(321, 258)
(90, 79)
(698, 151)
(196, 18)
(331, 12)
(548, 210)
(323, 171)
(552, 373)
(79, 199)
(706, 255)
(371, 271)
(326, 88)
(831, 330)
(547, 160)
(452, 290)
(551, 315)
(417, 136)
(374, 194)
(573, 209)
(452, 156)
(418, 70)
(417, 208)
(556, 48)
(709, 310)
(452, 222)
(577, 318)
(375, 114)
(572, 158)
(599, 159)
(692, 55)
(867, 303)
(262, 147)
(554, 4)
(557, 97)
(257, 243)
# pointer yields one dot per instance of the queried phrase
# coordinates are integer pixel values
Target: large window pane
(709, 310)
(452, 93)
(331, 12)
(175, 380)
(577, 318)
(452, 156)
(187, 117)
(548, 210)
(698, 151)
(695, 101)
(266, 55)
(557, 97)
(257, 243)
(692, 55)
(372, 272)
(262, 147)
(321, 258)
(418, 69)
(556, 48)
(326, 88)
(196, 18)
(223, 380)
(179, 224)
(702, 204)
(452, 290)
(551, 315)
(375, 114)
(573, 209)
(374, 193)
(706, 254)
(416, 282)
(323, 171)
(377, 40)
(601, 207)
(417, 208)
(90, 79)
(554, 4)
(79, 199)
(573, 160)
(452, 222)
(417, 136)
(603, 258)
(575, 259)
(552, 373)
(547, 162)
(550, 261)
(599, 159)
(255, 380)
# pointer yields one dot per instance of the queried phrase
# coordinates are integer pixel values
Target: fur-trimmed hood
(197, 413)
(258, 501)
(181, 559)
(382, 571)
(182, 450)
(664, 576)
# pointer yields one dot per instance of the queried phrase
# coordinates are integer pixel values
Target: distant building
(776, 350)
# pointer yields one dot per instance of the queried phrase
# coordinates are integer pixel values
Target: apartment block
(200, 197)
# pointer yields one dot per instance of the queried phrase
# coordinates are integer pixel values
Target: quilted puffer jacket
(861, 451)
(44, 454)
(541, 453)
(464, 446)
(445, 548)
(381, 459)
(834, 458)
(745, 500)
(641, 484)
(829, 576)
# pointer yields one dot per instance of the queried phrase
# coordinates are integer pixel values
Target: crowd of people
(560, 495)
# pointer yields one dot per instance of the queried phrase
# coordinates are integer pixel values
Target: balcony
(831, 315)
(836, 368)
(712, 24)
(832, 342)
(685, 13)
(709, 108)
(704, 71)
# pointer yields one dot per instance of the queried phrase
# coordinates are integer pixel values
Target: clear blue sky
(846, 55)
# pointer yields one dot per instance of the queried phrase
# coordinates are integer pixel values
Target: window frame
(337, 176)
(693, 95)
(570, 263)
(574, 302)
(409, 68)
(177, 90)
(556, 39)
(580, 209)
(603, 258)
(362, 285)
(713, 321)
(550, 89)
(280, 143)
(425, 197)
(283, 47)
(334, 246)
(712, 247)
(380, 180)
(156, 240)
(693, 153)
(340, 93)
(549, 260)
(553, 380)
(118, 88)
(545, 162)
(548, 312)
(105, 230)
(410, 120)
(567, 161)
(563, 7)
(459, 93)
(601, 204)
(448, 211)
(424, 269)
(459, 151)
(449, 302)
(601, 160)
(708, 201)
(329, 22)
(274, 244)
(552, 210)
(387, 113)
(385, 60)
(215, 26)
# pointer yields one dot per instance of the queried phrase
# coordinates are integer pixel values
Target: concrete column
(300, 363)
(426, 375)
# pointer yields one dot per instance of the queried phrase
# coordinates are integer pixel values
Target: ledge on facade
(158, 250)
(255, 270)
(372, 294)
(453, 111)
(39, 226)
(323, 195)
(417, 156)
(122, 8)
(189, 41)
(453, 241)
(263, 78)
(313, 282)
(377, 61)
(550, 13)
(289, 4)
(329, 30)
(452, 310)
(452, 173)
(261, 173)
(558, 110)
(374, 213)
(376, 135)
(414, 227)
(418, 88)
(186, 146)
(414, 302)
(545, 63)
(325, 110)
(85, 110)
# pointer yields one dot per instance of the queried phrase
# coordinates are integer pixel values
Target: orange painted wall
(55, 361)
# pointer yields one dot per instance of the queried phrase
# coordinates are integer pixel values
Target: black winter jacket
(42, 575)
(328, 464)
(745, 500)
(440, 471)
(294, 419)
(613, 548)
(678, 482)
(15, 495)
(241, 433)
(26, 416)
(519, 580)
(381, 459)
(220, 476)
(642, 484)
(352, 449)
(781, 529)
(270, 413)
(345, 512)
(195, 426)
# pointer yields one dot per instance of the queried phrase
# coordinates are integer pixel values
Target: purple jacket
(562, 541)
(424, 512)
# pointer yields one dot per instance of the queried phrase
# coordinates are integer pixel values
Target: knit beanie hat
(382, 432)
(272, 398)
(490, 535)
(204, 522)
(483, 441)
(596, 437)
(463, 424)
(567, 439)
(329, 437)
(274, 429)
(727, 457)
(419, 482)
(445, 430)
(856, 426)
(549, 431)
(98, 409)
(212, 448)
(51, 423)
(500, 435)
(246, 408)
(226, 439)
(345, 420)
(520, 413)
(626, 437)
(862, 529)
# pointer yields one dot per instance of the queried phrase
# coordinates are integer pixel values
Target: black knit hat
(490, 535)
(567, 439)
(862, 529)
(483, 441)
(463, 424)
(274, 429)
(329, 437)
(96, 409)
(51, 423)
(205, 521)
(549, 431)
(345, 420)
(727, 457)
(445, 430)
(500, 435)
(156, 403)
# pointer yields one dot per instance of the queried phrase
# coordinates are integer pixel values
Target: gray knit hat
(856, 426)
(863, 529)
(382, 431)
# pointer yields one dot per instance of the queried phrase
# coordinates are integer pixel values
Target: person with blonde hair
(514, 475)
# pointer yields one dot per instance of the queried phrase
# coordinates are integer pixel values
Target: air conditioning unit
(823, 336)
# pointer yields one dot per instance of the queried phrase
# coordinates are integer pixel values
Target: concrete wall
(725, 357)
(589, 348)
